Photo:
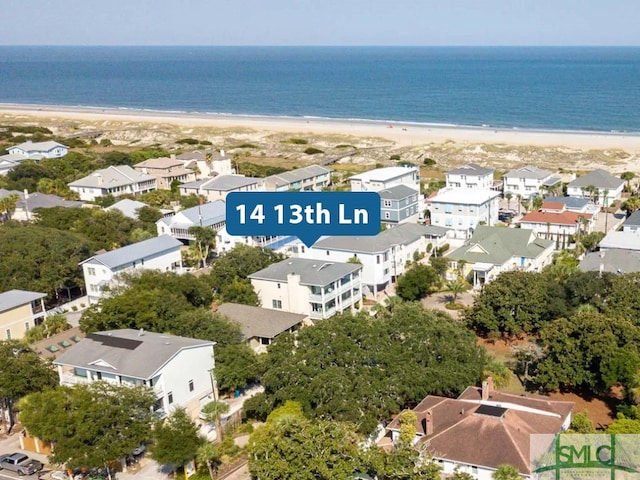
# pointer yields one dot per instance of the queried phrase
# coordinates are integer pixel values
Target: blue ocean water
(576, 88)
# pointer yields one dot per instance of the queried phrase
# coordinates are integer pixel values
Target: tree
(23, 372)
(631, 204)
(7, 206)
(591, 240)
(519, 198)
(458, 475)
(499, 372)
(91, 424)
(212, 412)
(51, 325)
(204, 239)
(239, 290)
(416, 282)
(439, 264)
(176, 440)
(580, 423)
(240, 262)
(456, 287)
(506, 472)
(236, 366)
(627, 177)
(508, 196)
(209, 455)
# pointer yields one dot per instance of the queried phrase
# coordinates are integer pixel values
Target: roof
(613, 261)
(311, 272)
(260, 322)
(563, 218)
(471, 169)
(528, 172)
(132, 353)
(161, 162)
(622, 240)
(384, 174)
(127, 207)
(572, 203)
(633, 220)
(136, 251)
(487, 433)
(464, 196)
(297, 175)
(56, 345)
(195, 155)
(210, 213)
(43, 200)
(223, 183)
(551, 181)
(6, 193)
(400, 235)
(112, 177)
(13, 157)
(496, 245)
(397, 193)
(47, 146)
(599, 178)
(16, 298)
(546, 205)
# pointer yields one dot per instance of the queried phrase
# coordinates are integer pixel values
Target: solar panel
(116, 342)
(491, 411)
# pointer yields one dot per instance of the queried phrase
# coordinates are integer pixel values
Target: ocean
(560, 88)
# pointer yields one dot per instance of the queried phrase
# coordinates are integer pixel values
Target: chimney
(427, 423)
(487, 388)
(141, 332)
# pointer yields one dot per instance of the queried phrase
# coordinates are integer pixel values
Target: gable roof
(160, 162)
(15, 298)
(30, 146)
(599, 178)
(135, 251)
(113, 176)
(57, 344)
(128, 207)
(622, 240)
(127, 352)
(397, 193)
(222, 183)
(633, 220)
(471, 169)
(464, 196)
(384, 174)
(554, 218)
(528, 171)
(496, 245)
(311, 272)
(210, 213)
(400, 235)
(260, 322)
(195, 155)
(43, 200)
(6, 193)
(613, 261)
(297, 175)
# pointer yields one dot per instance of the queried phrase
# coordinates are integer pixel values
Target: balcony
(70, 379)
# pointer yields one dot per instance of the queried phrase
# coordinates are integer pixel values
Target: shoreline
(399, 132)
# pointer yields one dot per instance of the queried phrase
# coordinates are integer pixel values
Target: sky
(320, 22)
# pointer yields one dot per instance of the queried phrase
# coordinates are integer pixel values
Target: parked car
(20, 463)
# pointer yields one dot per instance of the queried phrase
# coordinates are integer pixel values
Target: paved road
(8, 475)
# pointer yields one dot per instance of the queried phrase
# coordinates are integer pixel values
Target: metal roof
(633, 220)
(528, 172)
(16, 298)
(128, 207)
(311, 272)
(210, 213)
(136, 251)
(112, 177)
(298, 175)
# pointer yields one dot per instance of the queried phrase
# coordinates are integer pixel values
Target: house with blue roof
(159, 253)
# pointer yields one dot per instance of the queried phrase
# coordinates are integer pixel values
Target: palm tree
(631, 205)
(209, 455)
(508, 196)
(7, 206)
(627, 177)
(456, 287)
(519, 198)
(212, 412)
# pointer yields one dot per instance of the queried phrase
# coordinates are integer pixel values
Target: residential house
(226, 243)
(311, 178)
(612, 261)
(10, 161)
(554, 222)
(599, 186)
(178, 369)
(632, 223)
(115, 181)
(261, 325)
(482, 429)
(39, 150)
(621, 240)
(26, 206)
(528, 181)
(463, 209)
(384, 256)
(55, 345)
(166, 171)
(212, 215)
(219, 187)
(20, 310)
(129, 208)
(158, 253)
(470, 176)
(207, 165)
(398, 205)
(318, 289)
(383, 178)
(493, 250)
(577, 205)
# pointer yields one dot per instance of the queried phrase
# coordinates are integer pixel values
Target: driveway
(437, 301)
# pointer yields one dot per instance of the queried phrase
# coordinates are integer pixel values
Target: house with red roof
(481, 429)
(555, 222)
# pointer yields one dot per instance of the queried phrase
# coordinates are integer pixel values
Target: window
(448, 222)
(279, 286)
(265, 341)
(191, 385)
(80, 372)
(327, 252)
(448, 208)
(170, 398)
(91, 271)
(8, 333)
(26, 326)
(387, 215)
(386, 271)
(378, 259)
(277, 304)
(387, 203)
(386, 256)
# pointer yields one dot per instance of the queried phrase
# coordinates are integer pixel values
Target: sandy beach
(398, 135)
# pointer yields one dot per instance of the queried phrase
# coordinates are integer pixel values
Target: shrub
(454, 306)
(296, 141)
(188, 141)
(394, 157)
(205, 142)
(428, 162)
(245, 145)
(312, 151)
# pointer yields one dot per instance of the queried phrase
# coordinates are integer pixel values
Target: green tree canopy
(176, 440)
(417, 282)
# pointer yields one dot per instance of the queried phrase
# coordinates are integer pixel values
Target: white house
(384, 256)
(226, 242)
(318, 289)
(219, 187)
(114, 181)
(20, 310)
(493, 250)
(608, 188)
(382, 178)
(621, 240)
(38, 150)
(554, 222)
(463, 209)
(158, 253)
(26, 206)
(482, 429)
(528, 181)
(178, 369)
(207, 165)
(470, 176)
(311, 178)
(632, 223)
(212, 215)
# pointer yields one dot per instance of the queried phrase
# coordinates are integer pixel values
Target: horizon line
(327, 45)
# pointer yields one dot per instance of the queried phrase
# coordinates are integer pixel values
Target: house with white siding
(219, 187)
(207, 164)
(606, 188)
(554, 222)
(312, 178)
(383, 178)
(39, 150)
(463, 209)
(470, 176)
(212, 215)
(115, 181)
(528, 181)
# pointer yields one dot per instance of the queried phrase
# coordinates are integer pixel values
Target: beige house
(20, 310)
(166, 170)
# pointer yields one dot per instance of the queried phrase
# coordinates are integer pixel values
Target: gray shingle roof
(112, 177)
(397, 193)
(496, 245)
(5, 193)
(128, 207)
(195, 155)
(311, 272)
(471, 169)
(260, 322)
(621, 240)
(599, 178)
(633, 220)
(211, 213)
(223, 183)
(400, 235)
(136, 251)
(528, 172)
(298, 175)
(39, 146)
(129, 352)
(15, 298)
(43, 200)
(613, 261)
